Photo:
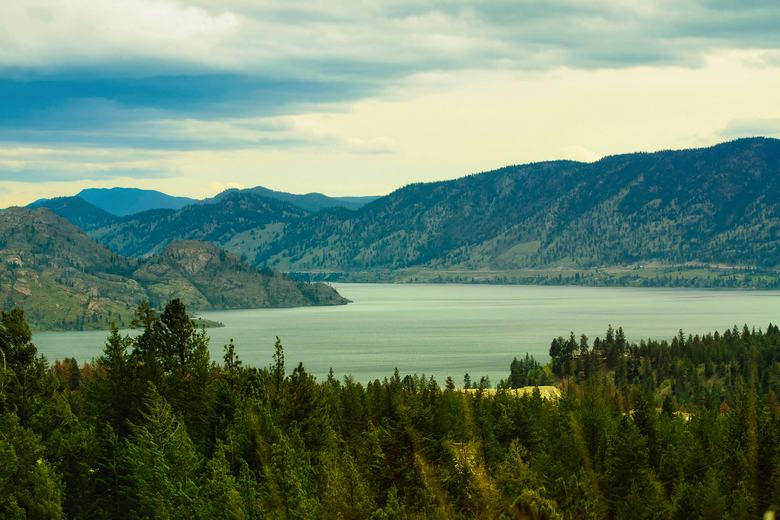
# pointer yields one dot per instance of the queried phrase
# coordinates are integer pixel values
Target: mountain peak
(128, 201)
(77, 211)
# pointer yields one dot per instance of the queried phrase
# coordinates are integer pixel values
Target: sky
(359, 98)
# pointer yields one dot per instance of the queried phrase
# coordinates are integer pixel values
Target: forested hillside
(713, 209)
(66, 280)
(77, 211)
(718, 205)
(108, 214)
(313, 202)
(149, 232)
(155, 428)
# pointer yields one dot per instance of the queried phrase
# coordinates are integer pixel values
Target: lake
(445, 330)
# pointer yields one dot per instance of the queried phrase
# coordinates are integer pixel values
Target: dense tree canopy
(153, 427)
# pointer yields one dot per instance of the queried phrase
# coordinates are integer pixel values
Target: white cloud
(53, 33)
(218, 187)
(44, 165)
(578, 153)
(385, 39)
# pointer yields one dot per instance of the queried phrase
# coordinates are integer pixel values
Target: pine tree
(114, 392)
(278, 367)
(15, 340)
(626, 462)
(23, 381)
(219, 492)
(29, 485)
(162, 461)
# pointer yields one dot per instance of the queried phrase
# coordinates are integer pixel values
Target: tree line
(154, 428)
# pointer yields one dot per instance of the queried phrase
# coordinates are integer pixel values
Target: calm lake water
(445, 330)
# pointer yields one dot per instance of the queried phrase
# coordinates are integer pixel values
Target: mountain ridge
(312, 201)
(559, 213)
(149, 232)
(713, 206)
(77, 211)
(128, 201)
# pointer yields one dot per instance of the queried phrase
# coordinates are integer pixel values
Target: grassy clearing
(547, 392)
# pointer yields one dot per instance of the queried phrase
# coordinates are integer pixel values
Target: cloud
(376, 146)
(66, 103)
(42, 165)
(339, 41)
(37, 175)
(113, 128)
(46, 33)
(206, 59)
(579, 153)
(219, 187)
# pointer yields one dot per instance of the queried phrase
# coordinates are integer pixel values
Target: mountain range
(719, 205)
(123, 202)
(120, 202)
(312, 202)
(632, 218)
(66, 280)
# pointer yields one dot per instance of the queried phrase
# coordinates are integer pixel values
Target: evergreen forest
(155, 428)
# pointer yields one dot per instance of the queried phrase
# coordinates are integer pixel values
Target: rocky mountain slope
(149, 232)
(207, 277)
(66, 280)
